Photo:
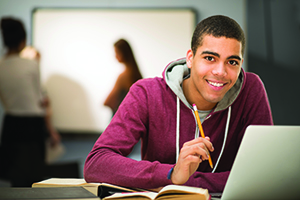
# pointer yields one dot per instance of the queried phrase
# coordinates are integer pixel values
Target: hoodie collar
(177, 71)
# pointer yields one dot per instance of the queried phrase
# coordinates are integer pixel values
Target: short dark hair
(217, 26)
(13, 32)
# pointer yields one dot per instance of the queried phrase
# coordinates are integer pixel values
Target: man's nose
(219, 70)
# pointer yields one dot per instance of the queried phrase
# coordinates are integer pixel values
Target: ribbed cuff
(170, 173)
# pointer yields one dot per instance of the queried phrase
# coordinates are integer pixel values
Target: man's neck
(195, 97)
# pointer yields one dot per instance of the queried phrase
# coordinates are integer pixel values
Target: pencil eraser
(195, 107)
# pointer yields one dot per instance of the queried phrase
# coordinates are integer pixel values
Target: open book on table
(99, 189)
(176, 192)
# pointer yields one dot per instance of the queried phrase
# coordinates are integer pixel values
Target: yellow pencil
(201, 131)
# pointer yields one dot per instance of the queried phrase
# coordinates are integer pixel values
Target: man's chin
(214, 100)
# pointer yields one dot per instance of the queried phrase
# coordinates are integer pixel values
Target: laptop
(267, 165)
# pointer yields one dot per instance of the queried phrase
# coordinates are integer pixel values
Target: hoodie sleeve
(214, 182)
(107, 162)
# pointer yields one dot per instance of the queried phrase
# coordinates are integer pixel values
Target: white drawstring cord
(177, 133)
(225, 137)
(177, 129)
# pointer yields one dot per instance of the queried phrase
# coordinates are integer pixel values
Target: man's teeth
(216, 84)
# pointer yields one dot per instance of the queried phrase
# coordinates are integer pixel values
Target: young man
(159, 112)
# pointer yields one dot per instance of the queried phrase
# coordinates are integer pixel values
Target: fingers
(199, 141)
(197, 150)
(191, 155)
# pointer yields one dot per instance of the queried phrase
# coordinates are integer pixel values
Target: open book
(99, 189)
(176, 192)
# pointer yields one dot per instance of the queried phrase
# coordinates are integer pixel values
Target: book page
(184, 189)
(183, 192)
(140, 195)
(182, 196)
(65, 182)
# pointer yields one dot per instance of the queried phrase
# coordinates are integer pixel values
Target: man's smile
(216, 84)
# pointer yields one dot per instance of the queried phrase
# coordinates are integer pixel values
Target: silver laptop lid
(267, 165)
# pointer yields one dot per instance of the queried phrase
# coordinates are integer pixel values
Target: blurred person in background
(130, 75)
(26, 124)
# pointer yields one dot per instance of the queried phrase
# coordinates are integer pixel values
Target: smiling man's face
(214, 70)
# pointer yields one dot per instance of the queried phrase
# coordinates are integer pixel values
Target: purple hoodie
(156, 111)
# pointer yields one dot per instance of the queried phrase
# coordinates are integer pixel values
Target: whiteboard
(78, 65)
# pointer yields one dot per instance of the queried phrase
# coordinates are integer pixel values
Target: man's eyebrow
(234, 57)
(210, 52)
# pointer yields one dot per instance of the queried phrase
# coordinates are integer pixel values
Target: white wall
(22, 9)
(78, 64)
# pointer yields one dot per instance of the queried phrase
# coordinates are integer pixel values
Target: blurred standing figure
(31, 53)
(22, 147)
(130, 75)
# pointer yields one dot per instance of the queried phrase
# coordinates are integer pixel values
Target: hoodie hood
(177, 71)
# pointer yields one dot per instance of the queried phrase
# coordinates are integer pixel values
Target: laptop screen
(267, 165)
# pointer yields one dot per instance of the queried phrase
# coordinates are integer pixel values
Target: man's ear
(189, 58)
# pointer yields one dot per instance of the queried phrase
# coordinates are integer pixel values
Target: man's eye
(209, 58)
(233, 62)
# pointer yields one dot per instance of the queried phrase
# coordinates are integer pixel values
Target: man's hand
(191, 155)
